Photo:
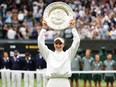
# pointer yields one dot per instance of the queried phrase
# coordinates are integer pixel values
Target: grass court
(80, 83)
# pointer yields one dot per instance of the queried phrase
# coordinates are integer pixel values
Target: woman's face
(58, 46)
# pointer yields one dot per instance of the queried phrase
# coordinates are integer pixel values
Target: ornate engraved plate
(57, 15)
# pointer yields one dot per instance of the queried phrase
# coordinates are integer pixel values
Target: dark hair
(27, 54)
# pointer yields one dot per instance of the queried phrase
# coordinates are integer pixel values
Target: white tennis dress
(58, 63)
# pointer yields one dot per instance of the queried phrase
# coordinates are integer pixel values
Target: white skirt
(58, 82)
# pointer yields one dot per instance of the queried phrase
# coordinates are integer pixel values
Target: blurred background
(20, 24)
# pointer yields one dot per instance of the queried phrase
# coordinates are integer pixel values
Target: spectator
(5, 65)
(87, 65)
(113, 33)
(37, 26)
(34, 34)
(8, 17)
(35, 8)
(11, 33)
(29, 22)
(97, 32)
(50, 34)
(81, 35)
(38, 14)
(29, 65)
(75, 66)
(23, 32)
(18, 3)
(35, 4)
(104, 30)
(97, 65)
(40, 65)
(3, 6)
(68, 34)
(15, 21)
(109, 64)
(82, 12)
(21, 16)
(86, 32)
(17, 64)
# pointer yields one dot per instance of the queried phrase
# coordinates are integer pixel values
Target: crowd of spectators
(21, 19)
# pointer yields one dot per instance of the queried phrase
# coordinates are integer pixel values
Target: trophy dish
(57, 15)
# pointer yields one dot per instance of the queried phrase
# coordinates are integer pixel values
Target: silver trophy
(58, 15)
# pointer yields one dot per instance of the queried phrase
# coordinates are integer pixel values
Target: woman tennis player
(58, 61)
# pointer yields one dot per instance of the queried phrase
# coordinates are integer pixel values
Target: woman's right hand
(44, 24)
(72, 23)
